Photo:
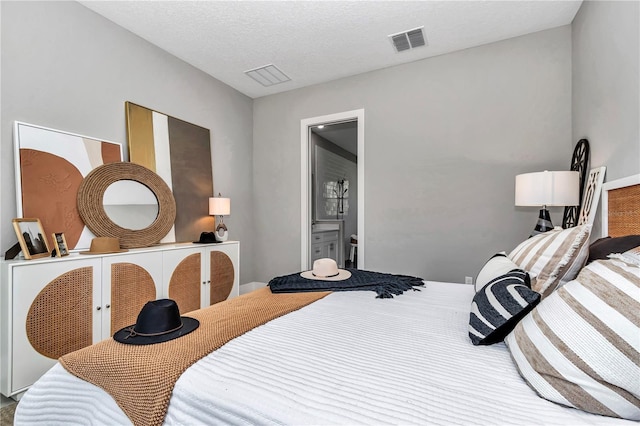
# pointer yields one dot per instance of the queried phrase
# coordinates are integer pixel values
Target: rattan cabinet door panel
(223, 272)
(183, 278)
(221, 276)
(196, 277)
(52, 307)
(128, 282)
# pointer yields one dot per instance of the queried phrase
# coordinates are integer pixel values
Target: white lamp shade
(219, 206)
(548, 189)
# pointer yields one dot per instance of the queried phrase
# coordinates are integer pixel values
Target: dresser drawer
(318, 251)
(320, 237)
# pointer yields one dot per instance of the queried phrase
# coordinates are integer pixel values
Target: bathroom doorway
(332, 198)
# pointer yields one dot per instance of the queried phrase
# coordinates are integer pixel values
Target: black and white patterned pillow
(499, 306)
(498, 265)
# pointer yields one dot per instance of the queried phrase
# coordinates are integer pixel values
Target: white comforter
(347, 359)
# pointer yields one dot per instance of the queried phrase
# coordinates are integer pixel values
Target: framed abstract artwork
(50, 165)
(180, 153)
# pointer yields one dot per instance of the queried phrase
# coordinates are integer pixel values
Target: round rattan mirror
(92, 212)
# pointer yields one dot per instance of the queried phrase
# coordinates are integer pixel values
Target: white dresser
(53, 306)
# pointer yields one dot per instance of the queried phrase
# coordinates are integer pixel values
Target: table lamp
(547, 189)
(219, 206)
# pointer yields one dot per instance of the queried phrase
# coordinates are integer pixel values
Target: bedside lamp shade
(547, 189)
(219, 206)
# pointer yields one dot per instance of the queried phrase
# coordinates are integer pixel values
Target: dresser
(50, 307)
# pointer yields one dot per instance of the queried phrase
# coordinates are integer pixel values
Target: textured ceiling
(319, 41)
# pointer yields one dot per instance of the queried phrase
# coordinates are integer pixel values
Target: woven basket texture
(184, 285)
(59, 318)
(624, 211)
(222, 276)
(131, 288)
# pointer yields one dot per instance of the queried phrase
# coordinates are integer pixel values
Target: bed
(348, 358)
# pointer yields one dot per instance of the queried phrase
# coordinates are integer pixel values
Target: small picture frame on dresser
(59, 244)
(31, 237)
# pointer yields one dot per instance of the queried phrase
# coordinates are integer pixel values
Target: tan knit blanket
(141, 377)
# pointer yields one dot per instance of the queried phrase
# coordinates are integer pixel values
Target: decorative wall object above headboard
(180, 153)
(580, 164)
(50, 165)
(591, 195)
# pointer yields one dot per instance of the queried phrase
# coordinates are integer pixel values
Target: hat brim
(342, 275)
(188, 325)
(104, 252)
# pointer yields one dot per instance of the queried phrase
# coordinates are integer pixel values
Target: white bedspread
(347, 359)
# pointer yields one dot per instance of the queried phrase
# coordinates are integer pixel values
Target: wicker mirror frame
(92, 212)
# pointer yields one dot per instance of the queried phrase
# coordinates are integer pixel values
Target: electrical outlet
(468, 280)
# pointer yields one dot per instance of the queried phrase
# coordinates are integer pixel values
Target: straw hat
(326, 270)
(104, 245)
(158, 321)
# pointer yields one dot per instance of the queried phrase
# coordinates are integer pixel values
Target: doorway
(327, 206)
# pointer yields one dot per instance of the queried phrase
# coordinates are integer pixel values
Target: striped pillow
(554, 257)
(580, 346)
(498, 307)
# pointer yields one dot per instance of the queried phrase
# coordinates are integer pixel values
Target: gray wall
(606, 88)
(444, 139)
(65, 67)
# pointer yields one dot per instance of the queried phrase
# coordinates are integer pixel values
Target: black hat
(158, 321)
(207, 237)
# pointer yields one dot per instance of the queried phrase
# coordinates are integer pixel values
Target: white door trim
(305, 199)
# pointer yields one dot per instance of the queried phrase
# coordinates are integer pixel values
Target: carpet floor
(6, 414)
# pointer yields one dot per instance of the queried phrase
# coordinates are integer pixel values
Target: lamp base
(221, 232)
(544, 223)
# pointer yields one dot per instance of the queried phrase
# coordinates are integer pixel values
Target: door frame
(305, 192)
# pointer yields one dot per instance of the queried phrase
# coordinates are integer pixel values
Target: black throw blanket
(385, 285)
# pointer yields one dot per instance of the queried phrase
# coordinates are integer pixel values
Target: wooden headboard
(621, 207)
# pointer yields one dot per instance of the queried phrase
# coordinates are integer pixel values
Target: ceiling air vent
(268, 75)
(407, 40)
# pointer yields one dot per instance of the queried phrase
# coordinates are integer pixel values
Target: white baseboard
(5, 401)
(249, 287)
